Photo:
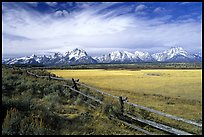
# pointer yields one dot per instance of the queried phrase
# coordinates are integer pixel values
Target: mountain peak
(33, 56)
(116, 55)
(57, 55)
(79, 56)
(171, 53)
(176, 49)
(77, 49)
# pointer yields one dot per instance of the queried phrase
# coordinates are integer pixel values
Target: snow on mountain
(144, 56)
(174, 54)
(57, 55)
(118, 57)
(125, 57)
(103, 59)
(76, 54)
(130, 57)
(23, 60)
(79, 56)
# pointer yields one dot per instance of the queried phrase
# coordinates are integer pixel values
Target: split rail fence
(122, 101)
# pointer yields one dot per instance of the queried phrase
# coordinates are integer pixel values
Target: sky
(99, 27)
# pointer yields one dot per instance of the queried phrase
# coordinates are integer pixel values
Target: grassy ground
(37, 106)
(177, 92)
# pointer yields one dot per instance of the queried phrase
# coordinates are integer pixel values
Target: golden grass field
(177, 92)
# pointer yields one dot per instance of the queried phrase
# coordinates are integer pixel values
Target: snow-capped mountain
(175, 54)
(144, 56)
(118, 57)
(23, 60)
(126, 57)
(79, 56)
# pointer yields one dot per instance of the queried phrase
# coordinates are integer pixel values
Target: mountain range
(79, 56)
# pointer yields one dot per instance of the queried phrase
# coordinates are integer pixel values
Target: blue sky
(99, 27)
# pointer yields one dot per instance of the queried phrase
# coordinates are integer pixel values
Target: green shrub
(86, 117)
(21, 87)
(144, 114)
(21, 102)
(79, 100)
(130, 109)
(11, 122)
(111, 108)
(52, 100)
(107, 109)
(16, 123)
(33, 125)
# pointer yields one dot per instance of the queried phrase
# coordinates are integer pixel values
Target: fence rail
(164, 114)
(104, 93)
(159, 126)
(84, 94)
(133, 126)
(149, 109)
(148, 122)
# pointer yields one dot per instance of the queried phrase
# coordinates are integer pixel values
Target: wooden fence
(123, 101)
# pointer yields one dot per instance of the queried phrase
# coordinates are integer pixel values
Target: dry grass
(173, 91)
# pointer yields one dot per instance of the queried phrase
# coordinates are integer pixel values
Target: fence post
(75, 84)
(49, 77)
(121, 104)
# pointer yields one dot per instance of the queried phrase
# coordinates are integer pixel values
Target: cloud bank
(96, 28)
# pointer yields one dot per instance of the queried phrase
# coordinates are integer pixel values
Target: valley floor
(34, 105)
(177, 92)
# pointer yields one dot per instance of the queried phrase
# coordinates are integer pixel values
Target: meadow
(174, 91)
(42, 106)
(39, 106)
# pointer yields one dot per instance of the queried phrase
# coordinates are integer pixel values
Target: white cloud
(32, 3)
(141, 13)
(52, 4)
(94, 32)
(159, 10)
(61, 13)
(140, 7)
(184, 3)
